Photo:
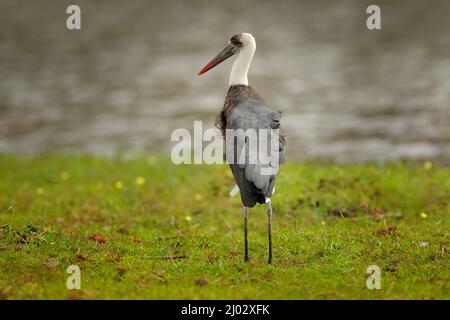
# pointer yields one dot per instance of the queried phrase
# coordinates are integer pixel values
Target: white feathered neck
(240, 67)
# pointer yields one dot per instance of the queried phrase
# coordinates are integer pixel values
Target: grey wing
(257, 173)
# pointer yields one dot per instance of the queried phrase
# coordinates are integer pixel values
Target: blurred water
(128, 78)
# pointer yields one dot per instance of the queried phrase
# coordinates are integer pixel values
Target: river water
(127, 79)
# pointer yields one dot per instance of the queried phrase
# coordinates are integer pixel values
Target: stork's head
(240, 43)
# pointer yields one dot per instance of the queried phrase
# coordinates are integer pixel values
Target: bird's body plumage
(245, 109)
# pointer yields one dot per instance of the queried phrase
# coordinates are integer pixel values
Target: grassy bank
(145, 228)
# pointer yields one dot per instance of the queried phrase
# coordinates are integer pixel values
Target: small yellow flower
(140, 181)
(427, 165)
(188, 218)
(423, 215)
(119, 185)
(64, 176)
(39, 191)
(323, 222)
(198, 197)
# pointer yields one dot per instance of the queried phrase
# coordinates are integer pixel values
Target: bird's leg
(269, 215)
(245, 213)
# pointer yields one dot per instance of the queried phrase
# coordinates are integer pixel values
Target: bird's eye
(236, 42)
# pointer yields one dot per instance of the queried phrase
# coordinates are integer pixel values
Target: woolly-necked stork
(245, 109)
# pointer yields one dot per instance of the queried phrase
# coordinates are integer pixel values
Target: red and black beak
(227, 52)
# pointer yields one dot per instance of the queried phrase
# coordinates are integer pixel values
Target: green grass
(331, 222)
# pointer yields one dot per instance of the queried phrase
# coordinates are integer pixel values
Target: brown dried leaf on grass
(98, 238)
